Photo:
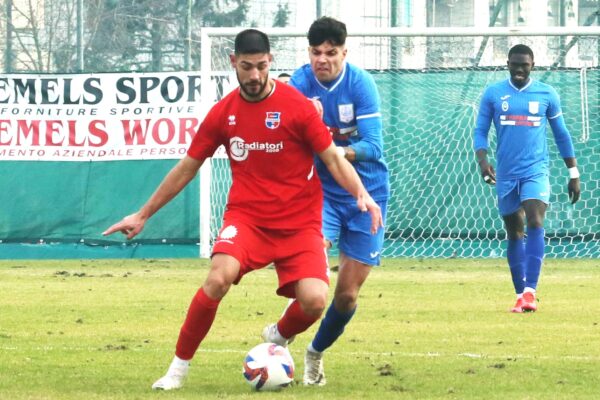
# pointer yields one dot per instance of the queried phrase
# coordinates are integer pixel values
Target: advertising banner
(98, 117)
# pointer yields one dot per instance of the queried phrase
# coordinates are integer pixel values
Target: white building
(375, 53)
(359, 14)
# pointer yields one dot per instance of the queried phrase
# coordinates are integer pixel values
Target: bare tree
(282, 15)
(149, 35)
(119, 35)
(4, 45)
(28, 30)
(61, 33)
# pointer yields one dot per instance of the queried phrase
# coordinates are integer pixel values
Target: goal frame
(205, 240)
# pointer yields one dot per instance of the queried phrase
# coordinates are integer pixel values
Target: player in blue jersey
(520, 108)
(350, 104)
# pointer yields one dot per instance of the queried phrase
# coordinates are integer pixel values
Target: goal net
(430, 83)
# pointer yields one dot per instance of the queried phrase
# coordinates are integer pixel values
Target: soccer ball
(268, 366)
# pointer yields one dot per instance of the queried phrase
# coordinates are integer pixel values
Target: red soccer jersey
(271, 145)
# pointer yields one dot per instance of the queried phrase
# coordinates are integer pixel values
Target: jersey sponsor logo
(273, 119)
(520, 120)
(346, 112)
(231, 120)
(239, 149)
(534, 107)
(505, 97)
(505, 106)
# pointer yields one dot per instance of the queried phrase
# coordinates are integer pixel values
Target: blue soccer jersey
(351, 110)
(520, 117)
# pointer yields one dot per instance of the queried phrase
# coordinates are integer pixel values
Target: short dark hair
(252, 41)
(520, 49)
(327, 29)
(284, 75)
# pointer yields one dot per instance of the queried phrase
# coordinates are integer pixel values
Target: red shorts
(296, 254)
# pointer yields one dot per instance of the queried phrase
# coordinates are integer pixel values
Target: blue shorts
(512, 192)
(348, 227)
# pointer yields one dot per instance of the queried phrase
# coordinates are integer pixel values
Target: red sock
(294, 321)
(198, 321)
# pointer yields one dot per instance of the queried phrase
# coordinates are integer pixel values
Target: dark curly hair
(327, 29)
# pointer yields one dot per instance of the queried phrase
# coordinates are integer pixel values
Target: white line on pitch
(354, 353)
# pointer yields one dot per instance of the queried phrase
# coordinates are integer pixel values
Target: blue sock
(332, 326)
(534, 254)
(515, 252)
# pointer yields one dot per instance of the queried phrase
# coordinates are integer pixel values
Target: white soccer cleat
(168, 382)
(175, 376)
(314, 374)
(271, 335)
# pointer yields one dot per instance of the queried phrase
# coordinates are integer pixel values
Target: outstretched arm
(345, 175)
(181, 174)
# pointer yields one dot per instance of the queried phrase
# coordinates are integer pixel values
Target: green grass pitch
(424, 329)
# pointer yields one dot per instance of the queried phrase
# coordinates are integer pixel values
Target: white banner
(98, 117)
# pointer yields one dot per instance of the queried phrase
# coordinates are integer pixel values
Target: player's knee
(345, 301)
(536, 222)
(515, 235)
(313, 304)
(216, 286)
(223, 272)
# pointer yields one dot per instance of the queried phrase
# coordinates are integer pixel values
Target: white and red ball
(268, 366)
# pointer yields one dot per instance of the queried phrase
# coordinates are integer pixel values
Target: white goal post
(430, 81)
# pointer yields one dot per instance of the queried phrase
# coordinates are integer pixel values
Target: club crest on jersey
(346, 112)
(273, 119)
(534, 107)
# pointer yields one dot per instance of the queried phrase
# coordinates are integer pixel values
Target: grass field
(425, 329)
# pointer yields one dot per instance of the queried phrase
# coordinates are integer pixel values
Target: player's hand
(574, 190)
(366, 203)
(487, 172)
(317, 103)
(130, 226)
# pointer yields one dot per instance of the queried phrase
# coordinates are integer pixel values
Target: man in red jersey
(273, 214)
